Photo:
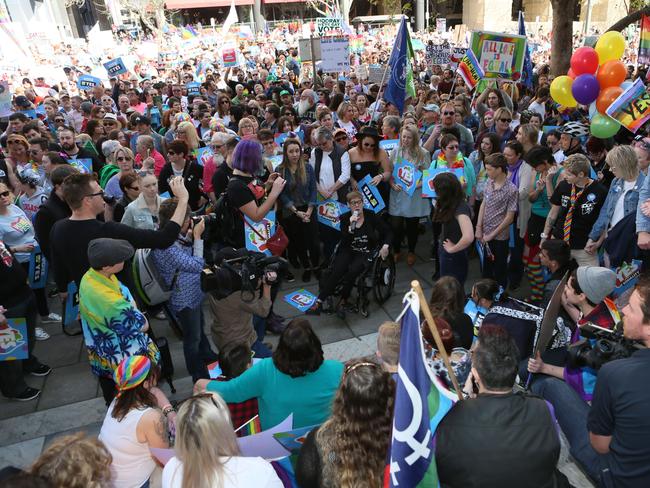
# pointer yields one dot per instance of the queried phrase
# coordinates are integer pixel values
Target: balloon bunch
(596, 79)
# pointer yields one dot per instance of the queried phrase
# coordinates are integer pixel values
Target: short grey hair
(324, 134)
(393, 122)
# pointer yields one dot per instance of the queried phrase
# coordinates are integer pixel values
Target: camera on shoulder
(600, 346)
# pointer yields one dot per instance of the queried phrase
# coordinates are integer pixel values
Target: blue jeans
(258, 347)
(196, 348)
(453, 264)
(571, 412)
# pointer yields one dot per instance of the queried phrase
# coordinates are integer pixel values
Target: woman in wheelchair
(362, 233)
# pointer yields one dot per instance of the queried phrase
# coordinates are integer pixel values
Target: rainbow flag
(253, 426)
(644, 41)
(470, 70)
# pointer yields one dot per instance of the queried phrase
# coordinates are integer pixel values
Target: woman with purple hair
(245, 192)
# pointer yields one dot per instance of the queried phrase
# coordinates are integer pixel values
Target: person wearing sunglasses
(448, 122)
(502, 121)
(138, 419)
(122, 157)
(367, 158)
(200, 461)
(181, 164)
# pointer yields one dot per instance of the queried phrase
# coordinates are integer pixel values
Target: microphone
(353, 224)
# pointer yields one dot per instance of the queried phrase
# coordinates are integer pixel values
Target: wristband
(167, 410)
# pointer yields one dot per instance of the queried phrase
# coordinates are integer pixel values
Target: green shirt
(308, 397)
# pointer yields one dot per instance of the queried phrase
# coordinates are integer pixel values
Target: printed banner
(438, 53)
(328, 26)
(203, 155)
(265, 228)
(193, 89)
(300, 299)
(388, 144)
(372, 199)
(38, 269)
(428, 175)
(499, 55)
(71, 312)
(115, 67)
(88, 82)
(457, 54)
(13, 340)
(330, 211)
(632, 108)
(84, 165)
(229, 58)
(335, 56)
(627, 274)
(406, 176)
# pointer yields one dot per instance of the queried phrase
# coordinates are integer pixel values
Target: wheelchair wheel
(384, 278)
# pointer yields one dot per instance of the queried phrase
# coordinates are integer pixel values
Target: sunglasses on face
(59, 120)
(507, 121)
(5, 194)
(122, 158)
(448, 113)
(224, 101)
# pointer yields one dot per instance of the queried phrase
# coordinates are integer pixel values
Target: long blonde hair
(204, 435)
(418, 153)
(191, 136)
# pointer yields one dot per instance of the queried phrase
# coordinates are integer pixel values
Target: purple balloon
(585, 89)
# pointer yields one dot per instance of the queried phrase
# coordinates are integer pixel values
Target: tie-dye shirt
(112, 325)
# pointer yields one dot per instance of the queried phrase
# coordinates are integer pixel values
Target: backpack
(149, 284)
(106, 173)
(225, 218)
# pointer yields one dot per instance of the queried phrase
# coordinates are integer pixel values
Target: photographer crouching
(239, 287)
(611, 439)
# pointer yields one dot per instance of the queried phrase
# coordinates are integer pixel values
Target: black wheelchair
(378, 275)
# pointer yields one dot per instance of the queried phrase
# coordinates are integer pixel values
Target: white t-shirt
(326, 175)
(240, 472)
(619, 208)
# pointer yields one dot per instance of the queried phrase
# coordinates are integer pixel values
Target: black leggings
(41, 299)
(303, 239)
(347, 267)
(408, 226)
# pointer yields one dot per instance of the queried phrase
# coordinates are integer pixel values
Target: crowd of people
(146, 174)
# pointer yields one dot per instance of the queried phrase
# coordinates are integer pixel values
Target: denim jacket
(643, 222)
(606, 212)
(307, 191)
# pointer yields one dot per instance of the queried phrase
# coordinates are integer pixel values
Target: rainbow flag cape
(253, 426)
(470, 70)
(644, 41)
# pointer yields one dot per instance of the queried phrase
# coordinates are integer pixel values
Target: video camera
(600, 346)
(239, 269)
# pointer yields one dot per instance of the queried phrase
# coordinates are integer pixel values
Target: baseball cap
(284, 92)
(110, 116)
(596, 282)
(431, 107)
(22, 101)
(108, 252)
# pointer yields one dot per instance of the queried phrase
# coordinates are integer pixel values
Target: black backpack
(225, 218)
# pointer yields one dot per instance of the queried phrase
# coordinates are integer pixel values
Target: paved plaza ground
(71, 398)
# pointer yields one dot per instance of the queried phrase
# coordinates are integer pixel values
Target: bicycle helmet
(575, 129)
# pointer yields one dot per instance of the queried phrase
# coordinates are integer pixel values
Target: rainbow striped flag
(470, 70)
(644, 41)
(253, 426)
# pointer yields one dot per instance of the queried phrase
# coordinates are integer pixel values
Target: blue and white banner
(38, 269)
(83, 165)
(406, 176)
(193, 89)
(71, 312)
(428, 175)
(256, 239)
(300, 299)
(204, 155)
(329, 213)
(372, 199)
(13, 340)
(88, 82)
(115, 67)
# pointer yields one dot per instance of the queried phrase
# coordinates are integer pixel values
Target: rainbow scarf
(132, 371)
(442, 162)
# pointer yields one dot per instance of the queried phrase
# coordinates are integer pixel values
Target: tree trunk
(562, 38)
(629, 19)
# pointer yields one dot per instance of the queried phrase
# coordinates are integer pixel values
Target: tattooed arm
(152, 429)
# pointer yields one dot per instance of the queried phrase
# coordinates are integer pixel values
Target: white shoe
(53, 317)
(40, 334)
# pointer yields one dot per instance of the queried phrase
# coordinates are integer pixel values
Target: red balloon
(607, 97)
(584, 61)
(571, 74)
(611, 73)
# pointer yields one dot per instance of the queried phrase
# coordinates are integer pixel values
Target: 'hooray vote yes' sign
(115, 67)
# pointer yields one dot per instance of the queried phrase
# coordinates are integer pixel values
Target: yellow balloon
(611, 45)
(561, 91)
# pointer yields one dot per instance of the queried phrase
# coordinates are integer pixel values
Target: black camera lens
(109, 199)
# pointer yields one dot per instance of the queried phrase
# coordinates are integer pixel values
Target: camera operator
(618, 422)
(233, 317)
(180, 266)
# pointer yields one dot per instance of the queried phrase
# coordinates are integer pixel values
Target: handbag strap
(251, 227)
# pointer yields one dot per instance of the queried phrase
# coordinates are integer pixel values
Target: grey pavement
(71, 399)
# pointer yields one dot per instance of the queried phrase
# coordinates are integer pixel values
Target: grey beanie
(596, 282)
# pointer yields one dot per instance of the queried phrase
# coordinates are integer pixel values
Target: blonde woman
(202, 462)
(527, 135)
(405, 211)
(123, 158)
(74, 461)
(501, 127)
(186, 132)
(345, 121)
(142, 213)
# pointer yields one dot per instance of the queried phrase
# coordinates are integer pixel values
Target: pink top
(209, 170)
(158, 161)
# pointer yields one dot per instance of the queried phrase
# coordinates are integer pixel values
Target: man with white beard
(306, 106)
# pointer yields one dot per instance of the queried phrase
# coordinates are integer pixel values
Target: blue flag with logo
(419, 408)
(527, 71)
(398, 65)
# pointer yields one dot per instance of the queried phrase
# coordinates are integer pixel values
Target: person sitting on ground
(388, 340)
(201, 461)
(233, 362)
(139, 418)
(555, 255)
(297, 369)
(353, 443)
(74, 461)
(447, 303)
(113, 327)
(520, 431)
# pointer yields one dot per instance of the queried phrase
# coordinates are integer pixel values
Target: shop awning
(178, 4)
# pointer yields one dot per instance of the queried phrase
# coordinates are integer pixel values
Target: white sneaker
(40, 334)
(53, 317)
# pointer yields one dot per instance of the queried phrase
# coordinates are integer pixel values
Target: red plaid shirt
(242, 412)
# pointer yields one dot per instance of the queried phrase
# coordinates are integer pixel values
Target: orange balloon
(607, 97)
(611, 73)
